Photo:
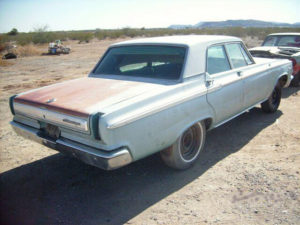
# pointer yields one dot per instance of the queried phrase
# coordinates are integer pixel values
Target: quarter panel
(160, 129)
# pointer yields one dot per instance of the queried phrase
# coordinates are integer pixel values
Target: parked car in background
(282, 45)
(150, 95)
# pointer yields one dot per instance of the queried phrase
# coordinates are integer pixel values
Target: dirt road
(247, 174)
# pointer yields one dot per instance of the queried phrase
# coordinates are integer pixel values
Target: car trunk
(72, 102)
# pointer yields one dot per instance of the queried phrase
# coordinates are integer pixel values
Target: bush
(2, 47)
(5, 62)
(81, 36)
(24, 39)
(14, 31)
(28, 50)
(85, 37)
(41, 36)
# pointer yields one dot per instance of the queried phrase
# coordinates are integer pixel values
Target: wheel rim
(190, 143)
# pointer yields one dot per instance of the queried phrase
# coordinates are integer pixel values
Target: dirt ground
(247, 174)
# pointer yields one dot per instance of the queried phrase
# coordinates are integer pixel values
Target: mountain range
(234, 23)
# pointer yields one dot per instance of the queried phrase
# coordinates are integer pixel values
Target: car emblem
(51, 100)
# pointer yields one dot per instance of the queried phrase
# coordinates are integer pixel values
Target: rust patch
(76, 96)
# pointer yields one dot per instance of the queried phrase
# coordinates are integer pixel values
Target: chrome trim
(155, 110)
(51, 100)
(216, 87)
(92, 156)
(47, 115)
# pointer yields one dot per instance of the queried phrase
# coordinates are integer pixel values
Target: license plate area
(51, 131)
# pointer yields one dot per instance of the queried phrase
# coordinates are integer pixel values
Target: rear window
(160, 62)
(283, 40)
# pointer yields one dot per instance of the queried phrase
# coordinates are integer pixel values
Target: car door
(256, 80)
(224, 85)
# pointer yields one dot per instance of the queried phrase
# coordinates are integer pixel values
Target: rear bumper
(96, 157)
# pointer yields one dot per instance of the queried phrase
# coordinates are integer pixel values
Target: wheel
(185, 151)
(296, 80)
(272, 103)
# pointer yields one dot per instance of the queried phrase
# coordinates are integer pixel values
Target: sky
(27, 15)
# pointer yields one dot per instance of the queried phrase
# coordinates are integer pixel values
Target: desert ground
(248, 172)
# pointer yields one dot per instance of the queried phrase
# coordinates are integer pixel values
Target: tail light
(11, 104)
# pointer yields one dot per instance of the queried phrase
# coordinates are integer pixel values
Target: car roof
(186, 40)
(195, 61)
(279, 34)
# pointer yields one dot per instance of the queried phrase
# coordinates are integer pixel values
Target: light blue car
(150, 95)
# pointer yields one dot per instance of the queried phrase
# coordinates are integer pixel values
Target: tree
(41, 36)
(13, 31)
(40, 29)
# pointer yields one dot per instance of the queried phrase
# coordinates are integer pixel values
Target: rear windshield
(283, 40)
(159, 62)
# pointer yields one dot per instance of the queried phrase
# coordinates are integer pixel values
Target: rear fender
(284, 80)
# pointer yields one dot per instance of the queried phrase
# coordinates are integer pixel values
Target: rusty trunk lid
(77, 97)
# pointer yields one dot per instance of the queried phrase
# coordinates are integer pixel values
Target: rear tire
(272, 103)
(185, 151)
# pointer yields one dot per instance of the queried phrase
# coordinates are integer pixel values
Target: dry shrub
(252, 42)
(27, 50)
(5, 62)
(2, 47)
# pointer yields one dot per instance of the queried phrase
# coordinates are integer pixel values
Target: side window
(217, 60)
(270, 41)
(248, 60)
(235, 55)
(286, 40)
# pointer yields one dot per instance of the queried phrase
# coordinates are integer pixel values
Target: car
(282, 45)
(151, 95)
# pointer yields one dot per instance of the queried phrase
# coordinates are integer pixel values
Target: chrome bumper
(96, 157)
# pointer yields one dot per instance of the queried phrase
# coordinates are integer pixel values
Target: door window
(217, 60)
(247, 58)
(235, 55)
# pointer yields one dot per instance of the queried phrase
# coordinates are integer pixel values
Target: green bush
(13, 31)
(24, 39)
(81, 36)
(43, 37)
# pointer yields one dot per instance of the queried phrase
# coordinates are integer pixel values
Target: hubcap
(190, 143)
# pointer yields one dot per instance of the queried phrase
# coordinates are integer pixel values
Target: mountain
(177, 26)
(234, 23)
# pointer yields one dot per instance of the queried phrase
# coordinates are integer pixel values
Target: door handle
(209, 82)
(239, 73)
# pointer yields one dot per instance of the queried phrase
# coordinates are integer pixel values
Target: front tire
(272, 103)
(185, 151)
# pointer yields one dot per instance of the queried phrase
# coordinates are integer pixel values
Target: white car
(282, 46)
